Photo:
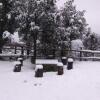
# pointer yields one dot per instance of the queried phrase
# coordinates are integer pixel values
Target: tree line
(41, 22)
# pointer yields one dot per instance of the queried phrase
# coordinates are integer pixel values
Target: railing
(53, 53)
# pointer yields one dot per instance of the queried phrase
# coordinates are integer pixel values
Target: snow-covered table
(48, 64)
(47, 61)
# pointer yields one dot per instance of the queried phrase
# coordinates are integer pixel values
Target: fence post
(27, 49)
(80, 54)
(22, 50)
(70, 64)
(93, 56)
(15, 50)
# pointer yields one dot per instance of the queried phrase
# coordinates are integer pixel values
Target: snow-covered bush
(76, 45)
(6, 34)
(11, 38)
(15, 38)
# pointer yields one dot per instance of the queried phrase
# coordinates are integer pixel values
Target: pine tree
(91, 40)
(48, 26)
(40, 13)
(73, 21)
(25, 13)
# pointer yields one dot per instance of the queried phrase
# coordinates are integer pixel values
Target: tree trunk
(33, 59)
(1, 44)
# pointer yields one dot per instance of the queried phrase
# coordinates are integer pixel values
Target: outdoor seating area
(45, 65)
(51, 63)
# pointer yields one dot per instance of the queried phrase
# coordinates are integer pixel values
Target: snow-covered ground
(81, 83)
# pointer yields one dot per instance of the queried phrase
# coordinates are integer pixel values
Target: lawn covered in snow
(81, 83)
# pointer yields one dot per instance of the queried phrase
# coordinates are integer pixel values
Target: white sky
(92, 14)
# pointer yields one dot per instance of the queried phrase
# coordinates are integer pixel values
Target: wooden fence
(76, 54)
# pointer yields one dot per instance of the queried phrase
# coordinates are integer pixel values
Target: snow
(6, 34)
(32, 23)
(20, 59)
(80, 20)
(46, 61)
(9, 16)
(36, 27)
(81, 83)
(90, 51)
(76, 44)
(64, 58)
(15, 38)
(70, 60)
(38, 67)
(9, 54)
(1, 4)
(92, 58)
(17, 63)
(60, 64)
(71, 20)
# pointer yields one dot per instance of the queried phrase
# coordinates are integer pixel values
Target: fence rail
(53, 53)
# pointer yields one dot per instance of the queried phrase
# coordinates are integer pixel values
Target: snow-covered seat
(39, 71)
(17, 66)
(60, 68)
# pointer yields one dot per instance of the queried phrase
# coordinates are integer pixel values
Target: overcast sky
(92, 14)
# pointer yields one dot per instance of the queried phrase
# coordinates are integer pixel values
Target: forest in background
(41, 22)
